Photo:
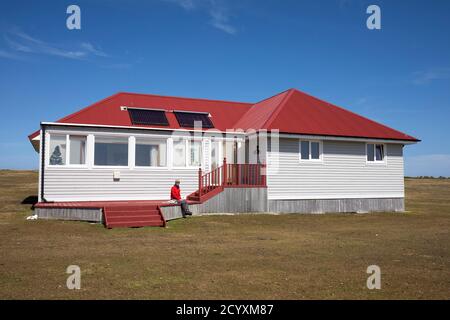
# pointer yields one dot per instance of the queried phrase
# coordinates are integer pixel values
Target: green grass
(230, 257)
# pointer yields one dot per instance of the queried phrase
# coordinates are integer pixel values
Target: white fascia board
(280, 135)
(336, 138)
(137, 128)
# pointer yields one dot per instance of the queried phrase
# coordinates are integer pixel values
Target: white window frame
(149, 138)
(188, 153)
(310, 160)
(85, 151)
(187, 142)
(129, 142)
(219, 152)
(90, 150)
(67, 164)
(375, 161)
(48, 151)
(174, 141)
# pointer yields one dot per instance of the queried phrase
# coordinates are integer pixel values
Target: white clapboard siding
(90, 182)
(342, 173)
(98, 184)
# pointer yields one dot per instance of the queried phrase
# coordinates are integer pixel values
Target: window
(151, 153)
(187, 153)
(148, 117)
(67, 150)
(229, 149)
(57, 150)
(215, 157)
(77, 149)
(375, 152)
(315, 150)
(379, 152)
(111, 151)
(304, 150)
(310, 150)
(195, 153)
(188, 119)
(179, 153)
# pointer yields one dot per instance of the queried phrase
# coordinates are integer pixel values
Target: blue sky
(234, 50)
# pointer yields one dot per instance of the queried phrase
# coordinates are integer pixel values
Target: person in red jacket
(175, 194)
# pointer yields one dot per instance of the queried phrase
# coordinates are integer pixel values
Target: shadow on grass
(30, 200)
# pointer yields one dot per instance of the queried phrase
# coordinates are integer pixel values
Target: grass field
(230, 257)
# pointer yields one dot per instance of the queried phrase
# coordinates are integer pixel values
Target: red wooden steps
(133, 216)
(207, 193)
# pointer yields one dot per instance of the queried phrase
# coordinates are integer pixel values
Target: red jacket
(175, 193)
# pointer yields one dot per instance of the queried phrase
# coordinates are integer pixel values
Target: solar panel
(148, 117)
(188, 119)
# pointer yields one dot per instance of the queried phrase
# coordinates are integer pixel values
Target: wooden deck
(138, 213)
(245, 186)
(102, 204)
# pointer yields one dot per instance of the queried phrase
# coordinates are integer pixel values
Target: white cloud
(428, 165)
(217, 10)
(185, 4)
(17, 46)
(89, 47)
(425, 77)
(361, 101)
(34, 45)
(20, 44)
(220, 18)
(8, 55)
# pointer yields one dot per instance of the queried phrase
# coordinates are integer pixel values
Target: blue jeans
(184, 207)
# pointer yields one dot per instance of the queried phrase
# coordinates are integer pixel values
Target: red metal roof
(258, 115)
(291, 111)
(224, 114)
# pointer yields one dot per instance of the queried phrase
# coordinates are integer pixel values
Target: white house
(288, 153)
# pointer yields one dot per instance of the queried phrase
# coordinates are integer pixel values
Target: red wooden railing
(232, 175)
(245, 175)
(210, 180)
